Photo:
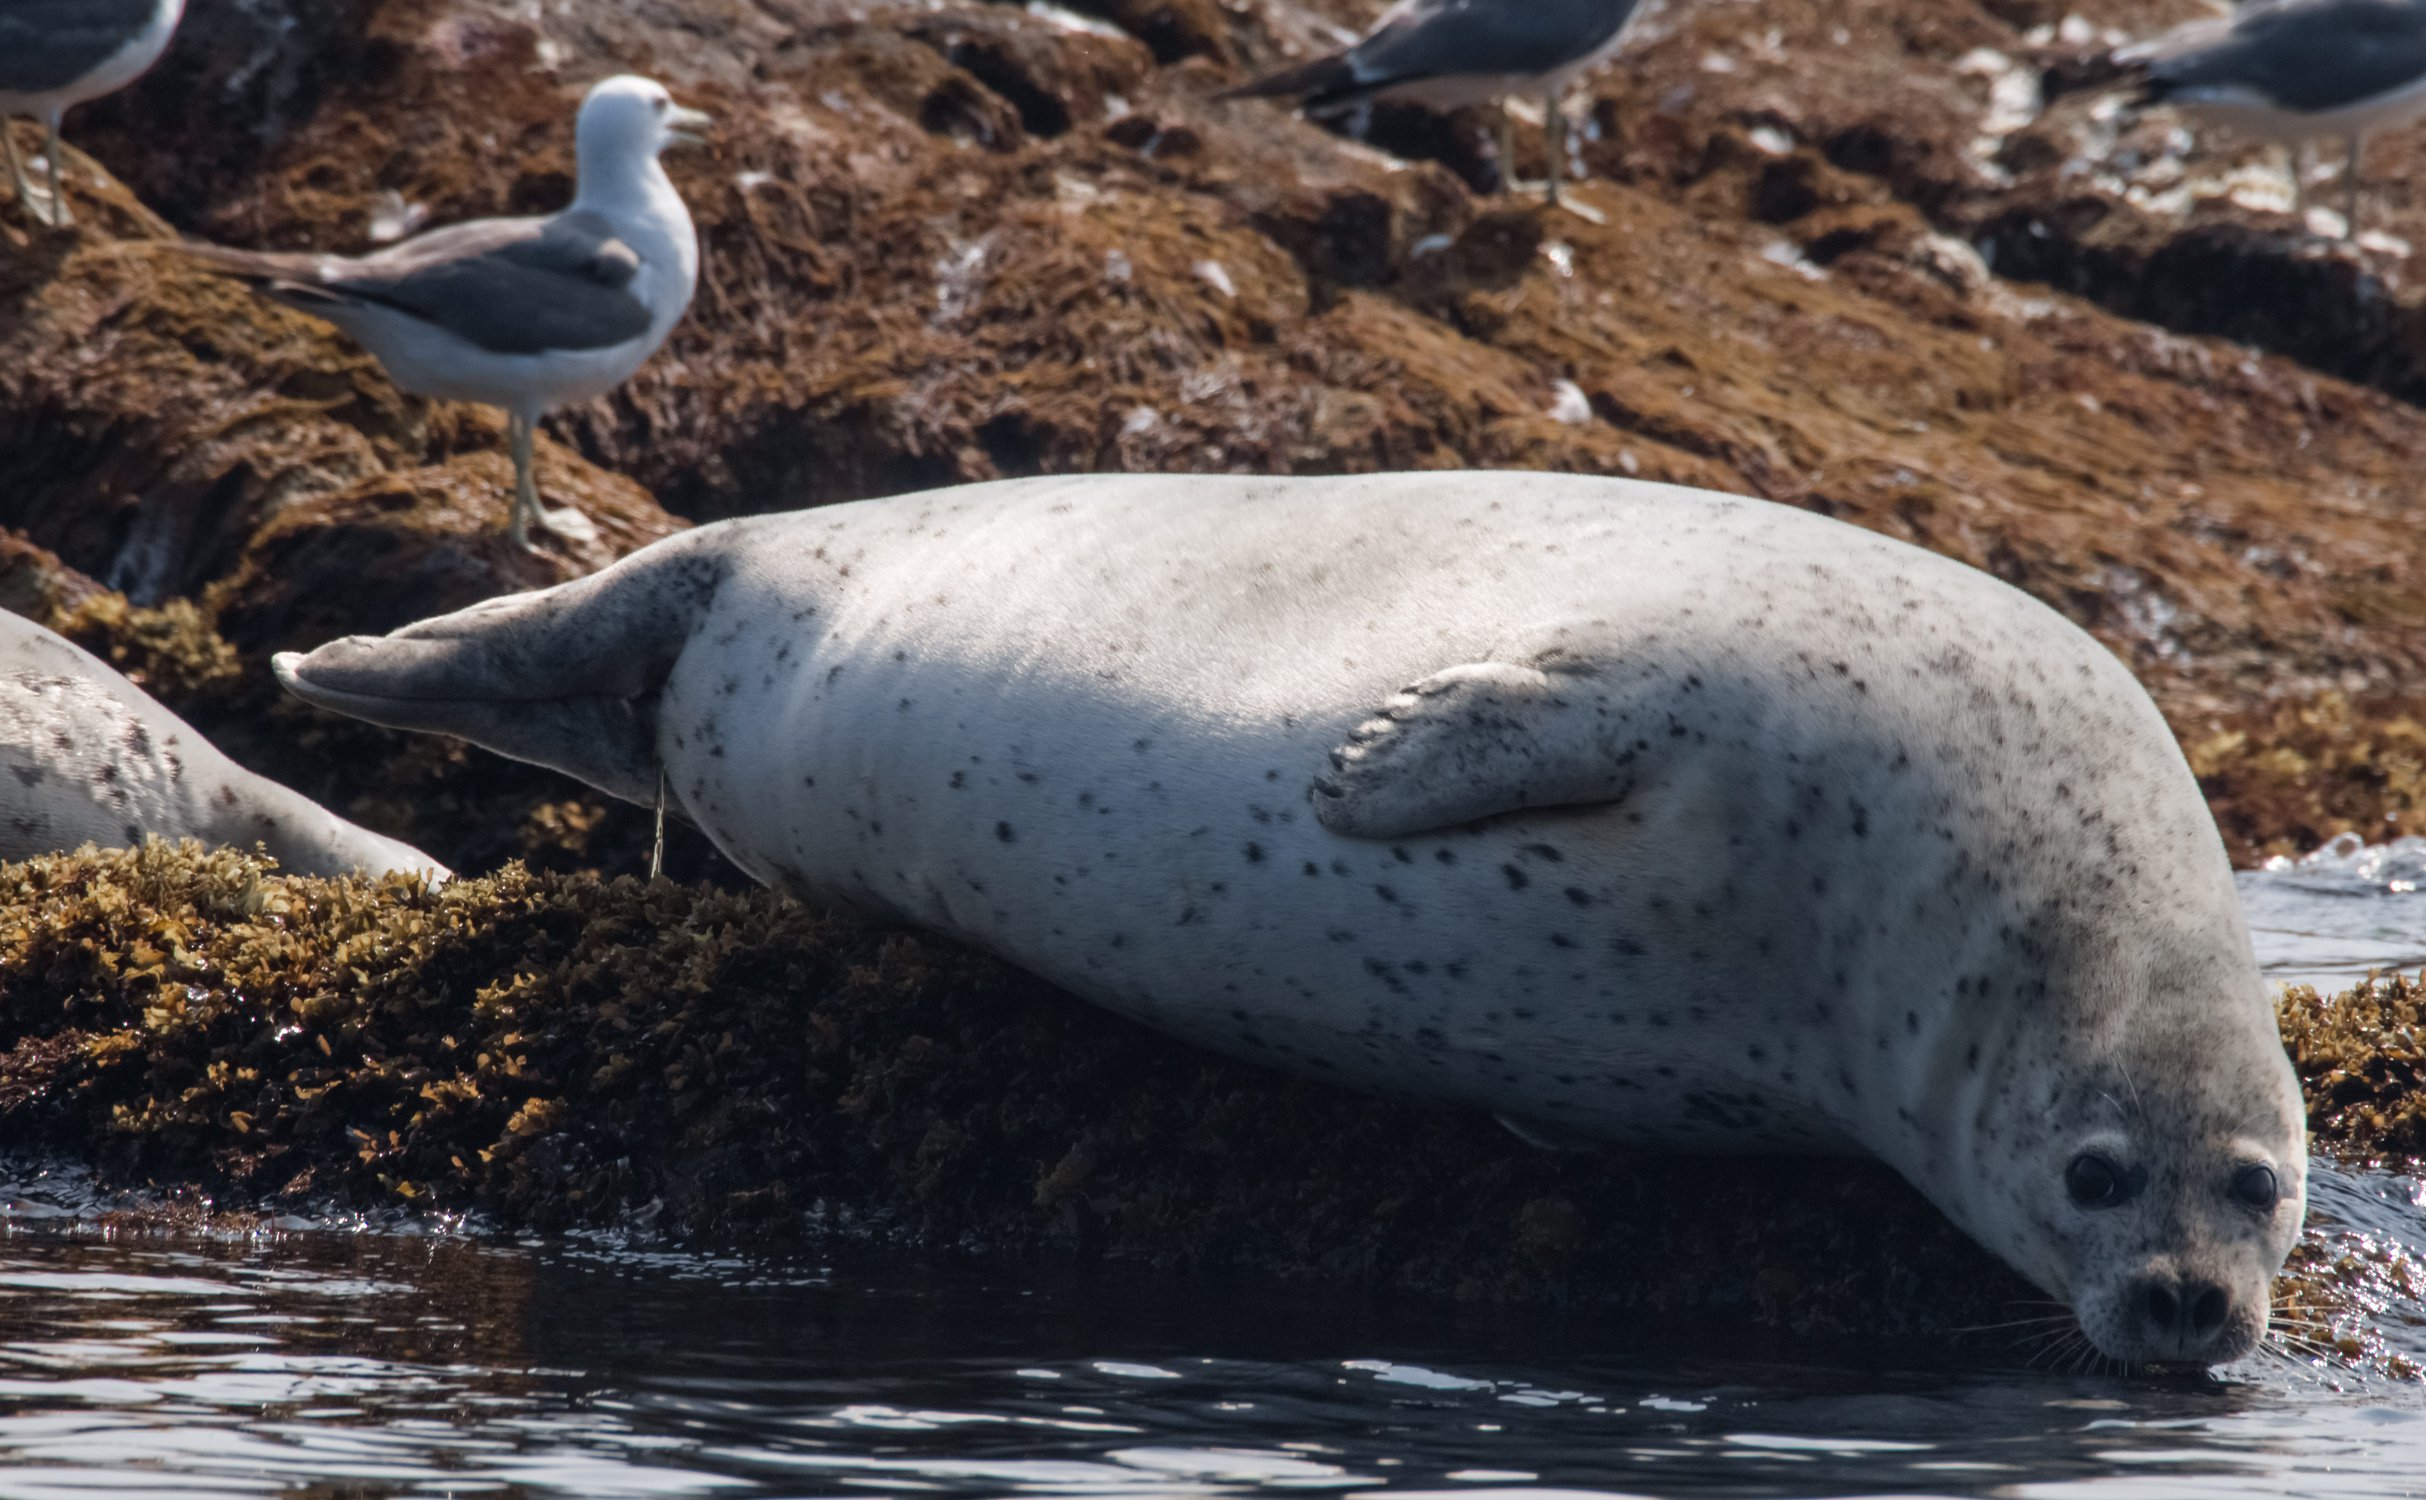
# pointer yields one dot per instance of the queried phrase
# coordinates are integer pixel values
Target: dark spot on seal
(1255, 854)
(1517, 879)
(1004, 832)
(1579, 895)
(30, 775)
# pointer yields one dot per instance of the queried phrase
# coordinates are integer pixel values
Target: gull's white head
(626, 120)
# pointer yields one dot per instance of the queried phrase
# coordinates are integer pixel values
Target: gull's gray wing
(1419, 39)
(510, 286)
(2303, 55)
(49, 44)
(1520, 38)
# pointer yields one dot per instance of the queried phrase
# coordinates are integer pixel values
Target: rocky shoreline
(720, 1067)
(1825, 262)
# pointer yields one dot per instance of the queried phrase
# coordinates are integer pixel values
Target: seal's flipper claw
(1545, 729)
(1541, 1135)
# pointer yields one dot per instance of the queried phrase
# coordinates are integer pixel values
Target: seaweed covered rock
(947, 244)
(2287, 776)
(2362, 1061)
(954, 242)
(554, 1051)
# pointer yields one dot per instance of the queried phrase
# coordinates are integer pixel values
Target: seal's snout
(2167, 1315)
(2183, 1317)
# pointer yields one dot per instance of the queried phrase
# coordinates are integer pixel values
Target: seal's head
(2151, 1170)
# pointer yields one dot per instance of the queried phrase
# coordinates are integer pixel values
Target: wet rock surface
(1829, 258)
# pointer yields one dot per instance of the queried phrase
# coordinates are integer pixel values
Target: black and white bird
(1447, 54)
(523, 314)
(55, 55)
(2291, 72)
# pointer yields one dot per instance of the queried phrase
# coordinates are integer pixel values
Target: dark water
(382, 1363)
(335, 1361)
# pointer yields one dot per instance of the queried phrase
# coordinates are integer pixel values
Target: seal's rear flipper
(1548, 728)
(565, 677)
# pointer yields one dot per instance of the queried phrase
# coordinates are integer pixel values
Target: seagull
(55, 55)
(523, 314)
(2294, 71)
(1447, 54)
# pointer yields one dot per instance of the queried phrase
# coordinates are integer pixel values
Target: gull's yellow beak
(688, 127)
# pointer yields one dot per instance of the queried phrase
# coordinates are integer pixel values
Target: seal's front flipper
(565, 677)
(1551, 727)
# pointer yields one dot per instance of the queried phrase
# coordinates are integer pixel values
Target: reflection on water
(2329, 916)
(358, 1363)
(367, 1363)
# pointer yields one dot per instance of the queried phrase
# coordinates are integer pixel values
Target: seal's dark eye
(2256, 1188)
(2093, 1182)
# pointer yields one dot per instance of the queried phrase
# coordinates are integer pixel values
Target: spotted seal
(1628, 812)
(88, 757)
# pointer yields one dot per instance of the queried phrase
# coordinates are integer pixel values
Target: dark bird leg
(528, 512)
(526, 489)
(60, 217)
(2350, 191)
(37, 207)
(1554, 135)
(1507, 149)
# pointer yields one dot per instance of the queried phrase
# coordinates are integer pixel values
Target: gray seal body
(86, 757)
(1624, 811)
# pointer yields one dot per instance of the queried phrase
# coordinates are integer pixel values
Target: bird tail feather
(1311, 80)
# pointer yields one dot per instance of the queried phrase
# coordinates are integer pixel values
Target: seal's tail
(565, 677)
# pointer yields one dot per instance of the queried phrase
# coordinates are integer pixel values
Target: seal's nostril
(2209, 1306)
(2163, 1307)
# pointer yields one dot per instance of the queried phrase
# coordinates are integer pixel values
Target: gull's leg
(60, 217)
(16, 166)
(526, 489)
(2350, 191)
(528, 512)
(36, 206)
(1507, 149)
(1554, 137)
